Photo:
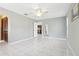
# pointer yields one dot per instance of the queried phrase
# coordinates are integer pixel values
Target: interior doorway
(38, 29)
(4, 29)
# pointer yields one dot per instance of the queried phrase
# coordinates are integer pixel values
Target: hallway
(43, 46)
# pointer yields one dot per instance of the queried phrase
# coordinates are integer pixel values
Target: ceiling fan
(38, 11)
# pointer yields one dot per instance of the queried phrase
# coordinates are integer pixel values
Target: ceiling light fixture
(40, 11)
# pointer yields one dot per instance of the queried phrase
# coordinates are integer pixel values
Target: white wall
(19, 27)
(73, 33)
(56, 27)
(75, 36)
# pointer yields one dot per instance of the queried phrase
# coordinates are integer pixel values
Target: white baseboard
(71, 49)
(56, 38)
(36, 37)
(20, 40)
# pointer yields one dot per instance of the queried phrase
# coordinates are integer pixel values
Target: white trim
(71, 49)
(55, 38)
(35, 37)
(20, 41)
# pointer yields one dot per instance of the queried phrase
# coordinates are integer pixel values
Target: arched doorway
(4, 28)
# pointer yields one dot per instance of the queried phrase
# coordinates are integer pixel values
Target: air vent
(25, 14)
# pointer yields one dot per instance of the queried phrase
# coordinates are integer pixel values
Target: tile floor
(35, 47)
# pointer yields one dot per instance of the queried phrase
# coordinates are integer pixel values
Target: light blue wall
(19, 27)
(56, 27)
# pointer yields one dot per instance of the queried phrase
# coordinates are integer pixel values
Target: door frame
(2, 30)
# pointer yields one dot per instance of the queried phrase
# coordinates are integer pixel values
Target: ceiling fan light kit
(39, 11)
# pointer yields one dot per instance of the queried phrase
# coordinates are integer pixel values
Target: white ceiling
(54, 9)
